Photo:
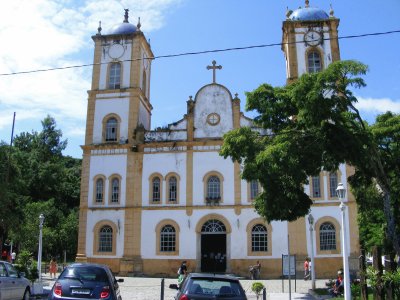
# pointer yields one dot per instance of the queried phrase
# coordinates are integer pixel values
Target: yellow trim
(96, 237)
(178, 180)
(221, 187)
(110, 179)
(218, 217)
(151, 177)
(159, 226)
(249, 237)
(317, 50)
(321, 187)
(120, 75)
(337, 235)
(97, 177)
(104, 130)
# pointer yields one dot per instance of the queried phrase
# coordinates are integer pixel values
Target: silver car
(13, 285)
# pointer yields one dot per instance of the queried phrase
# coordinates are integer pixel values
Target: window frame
(168, 178)
(249, 232)
(311, 61)
(112, 83)
(206, 178)
(158, 228)
(96, 238)
(105, 128)
(95, 180)
(151, 188)
(111, 189)
(337, 227)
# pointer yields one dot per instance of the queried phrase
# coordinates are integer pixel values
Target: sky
(47, 34)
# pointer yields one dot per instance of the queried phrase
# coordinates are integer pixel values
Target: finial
(236, 95)
(331, 12)
(307, 3)
(138, 24)
(190, 98)
(288, 12)
(99, 29)
(126, 16)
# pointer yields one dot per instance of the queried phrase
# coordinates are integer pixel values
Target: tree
(313, 124)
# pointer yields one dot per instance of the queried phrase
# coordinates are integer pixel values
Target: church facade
(153, 198)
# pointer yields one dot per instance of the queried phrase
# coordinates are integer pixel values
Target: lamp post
(341, 193)
(41, 219)
(311, 222)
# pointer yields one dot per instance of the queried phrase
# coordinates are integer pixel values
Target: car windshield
(214, 287)
(85, 274)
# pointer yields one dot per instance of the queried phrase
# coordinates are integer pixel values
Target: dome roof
(123, 28)
(308, 14)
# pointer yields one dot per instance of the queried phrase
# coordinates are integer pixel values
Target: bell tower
(118, 108)
(309, 40)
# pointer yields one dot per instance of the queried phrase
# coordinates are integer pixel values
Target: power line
(200, 52)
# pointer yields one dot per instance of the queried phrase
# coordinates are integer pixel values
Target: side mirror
(173, 286)
(120, 280)
(21, 274)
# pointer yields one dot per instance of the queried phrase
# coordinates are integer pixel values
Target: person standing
(258, 269)
(306, 269)
(182, 271)
(53, 268)
(13, 257)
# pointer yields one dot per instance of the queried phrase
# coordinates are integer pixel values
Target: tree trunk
(363, 279)
(377, 261)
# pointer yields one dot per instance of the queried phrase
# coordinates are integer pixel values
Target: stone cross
(214, 67)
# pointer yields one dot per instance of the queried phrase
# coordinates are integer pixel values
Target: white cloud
(378, 105)
(44, 34)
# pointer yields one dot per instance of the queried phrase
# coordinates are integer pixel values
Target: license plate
(80, 291)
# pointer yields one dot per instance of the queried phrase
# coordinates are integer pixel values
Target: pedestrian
(258, 269)
(53, 267)
(306, 269)
(182, 272)
(13, 257)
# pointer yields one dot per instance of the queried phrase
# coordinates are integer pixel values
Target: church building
(153, 198)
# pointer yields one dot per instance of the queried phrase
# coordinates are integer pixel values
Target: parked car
(13, 285)
(209, 286)
(86, 281)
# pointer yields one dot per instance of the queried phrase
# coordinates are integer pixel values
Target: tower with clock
(309, 40)
(151, 198)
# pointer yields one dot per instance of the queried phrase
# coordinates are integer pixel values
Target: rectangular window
(259, 242)
(333, 183)
(316, 187)
(253, 189)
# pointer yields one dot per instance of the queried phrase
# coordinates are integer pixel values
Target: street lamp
(341, 193)
(41, 219)
(311, 222)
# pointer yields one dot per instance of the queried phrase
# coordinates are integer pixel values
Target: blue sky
(41, 34)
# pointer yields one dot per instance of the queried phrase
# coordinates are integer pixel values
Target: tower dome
(125, 27)
(308, 14)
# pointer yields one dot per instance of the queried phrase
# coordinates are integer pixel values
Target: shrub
(257, 288)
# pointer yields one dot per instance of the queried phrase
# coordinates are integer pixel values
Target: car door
(16, 284)
(4, 283)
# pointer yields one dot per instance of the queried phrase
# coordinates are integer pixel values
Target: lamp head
(41, 219)
(340, 191)
(310, 219)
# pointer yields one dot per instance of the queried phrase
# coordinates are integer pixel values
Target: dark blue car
(86, 281)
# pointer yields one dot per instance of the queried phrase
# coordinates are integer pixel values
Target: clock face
(312, 38)
(116, 51)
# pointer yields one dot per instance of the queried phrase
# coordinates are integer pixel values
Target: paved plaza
(146, 288)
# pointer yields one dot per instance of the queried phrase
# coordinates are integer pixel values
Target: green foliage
(355, 290)
(27, 265)
(41, 180)
(257, 288)
(313, 125)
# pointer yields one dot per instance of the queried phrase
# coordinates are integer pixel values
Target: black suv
(202, 286)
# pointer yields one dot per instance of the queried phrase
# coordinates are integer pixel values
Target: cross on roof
(214, 67)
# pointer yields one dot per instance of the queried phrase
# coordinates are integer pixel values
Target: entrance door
(213, 247)
(213, 253)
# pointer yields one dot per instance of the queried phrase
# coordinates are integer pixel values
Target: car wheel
(27, 294)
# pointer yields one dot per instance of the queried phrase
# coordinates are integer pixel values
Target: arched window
(327, 236)
(213, 188)
(172, 189)
(254, 191)
(111, 130)
(314, 62)
(99, 190)
(259, 238)
(333, 183)
(167, 239)
(215, 226)
(156, 184)
(115, 190)
(106, 238)
(316, 187)
(115, 76)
